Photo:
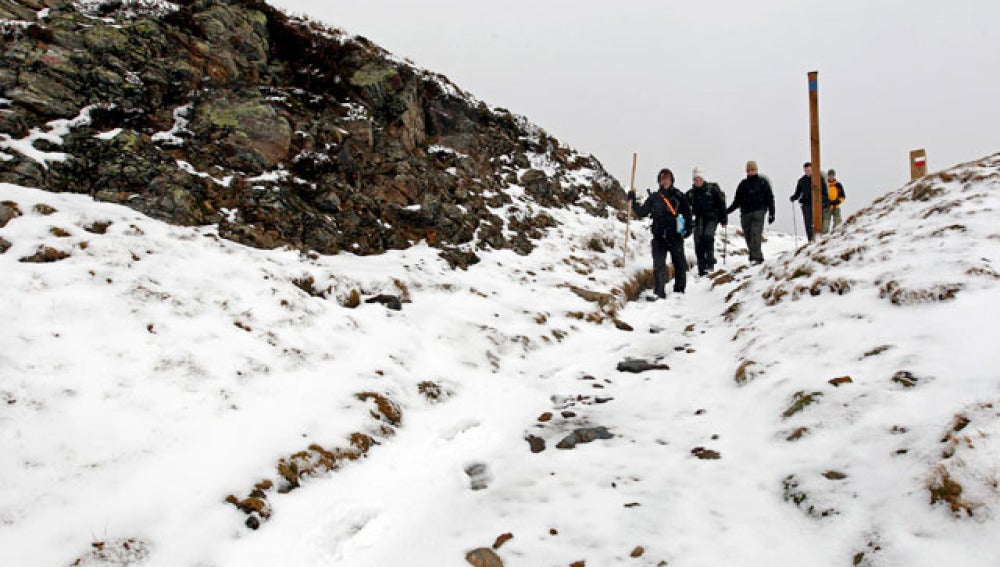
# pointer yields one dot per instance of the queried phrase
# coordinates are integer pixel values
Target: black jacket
(804, 193)
(664, 222)
(707, 202)
(753, 194)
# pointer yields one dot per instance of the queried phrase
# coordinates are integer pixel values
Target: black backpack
(702, 199)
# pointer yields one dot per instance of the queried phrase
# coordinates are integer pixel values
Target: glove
(631, 195)
(770, 219)
(792, 198)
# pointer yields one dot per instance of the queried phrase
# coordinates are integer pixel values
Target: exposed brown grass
(899, 295)
(745, 372)
(944, 489)
(45, 255)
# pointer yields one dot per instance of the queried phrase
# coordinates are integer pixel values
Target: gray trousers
(753, 232)
(704, 243)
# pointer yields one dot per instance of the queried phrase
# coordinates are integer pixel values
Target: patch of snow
(181, 122)
(53, 133)
(109, 135)
(190, 169)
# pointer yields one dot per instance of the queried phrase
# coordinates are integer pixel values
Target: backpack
(703, 199)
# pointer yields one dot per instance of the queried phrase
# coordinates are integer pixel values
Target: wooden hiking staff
(628, 204)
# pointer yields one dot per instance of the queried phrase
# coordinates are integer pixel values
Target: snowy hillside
(171, 398)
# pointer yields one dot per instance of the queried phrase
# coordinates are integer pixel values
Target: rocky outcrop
(281, 131)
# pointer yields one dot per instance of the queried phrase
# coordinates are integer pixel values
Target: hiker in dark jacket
(803, 194)
(708, 207)
(754, 199)
(665, 206)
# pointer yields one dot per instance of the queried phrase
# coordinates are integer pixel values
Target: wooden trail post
(628, 204)
(918, 164)
(817, 175)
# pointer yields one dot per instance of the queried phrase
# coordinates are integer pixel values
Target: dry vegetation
(317, 460)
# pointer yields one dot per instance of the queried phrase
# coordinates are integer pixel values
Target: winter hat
(698, 172)
(831, 173)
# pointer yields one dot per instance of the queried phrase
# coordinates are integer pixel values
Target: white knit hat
(698, 172)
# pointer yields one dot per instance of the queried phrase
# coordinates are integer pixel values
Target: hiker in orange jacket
(831, 210)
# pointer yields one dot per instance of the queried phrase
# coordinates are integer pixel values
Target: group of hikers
(677, 215)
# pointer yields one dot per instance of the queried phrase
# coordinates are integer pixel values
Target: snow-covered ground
(158, 370)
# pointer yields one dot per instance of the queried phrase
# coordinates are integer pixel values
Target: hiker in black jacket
(754, 198)
(708, 206)
(669, 232)
(803, 194)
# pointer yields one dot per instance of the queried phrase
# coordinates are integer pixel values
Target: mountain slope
(158, 370)
(280, 130)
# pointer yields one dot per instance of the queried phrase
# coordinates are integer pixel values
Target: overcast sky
(714, 83)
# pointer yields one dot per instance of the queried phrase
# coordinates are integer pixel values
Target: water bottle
(680, 224)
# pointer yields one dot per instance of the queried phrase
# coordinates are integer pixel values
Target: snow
(159, 369)
(130, 8)
(54, 133)
(179, 127)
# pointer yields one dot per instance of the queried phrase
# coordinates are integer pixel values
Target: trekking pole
(795, 227)
(628, 204)
(725, 242)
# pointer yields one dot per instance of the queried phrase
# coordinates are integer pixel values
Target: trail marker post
(817, 175)
(918, 164)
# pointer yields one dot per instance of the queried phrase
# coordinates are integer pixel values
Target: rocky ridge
(282, 131)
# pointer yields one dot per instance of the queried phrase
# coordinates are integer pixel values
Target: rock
(841, 380)
(536, 444)
(390, 301)
(321, 141)
(638, 551)
(547, 416)
(703, 453)
(4, 245)
(905, 378)
(636, 366)
(483, 557)
(8, 212)
(584, 435)
(479, 477)
(502, 539)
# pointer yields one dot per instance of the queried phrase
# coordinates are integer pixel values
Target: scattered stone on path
(578, 564)
(700, 412)
(537, 444)
(502, 539)
(797, 434)
(834, 475)
(905, 378)
(632, 504)
(568, 414)
(479, 477)
(602, 400)
(545, 417)
(842, 380)
(390, 301)
(637, 552)
(703, 453)
(483, 557)
(584, 435)
(622, 325)
(636, 366)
